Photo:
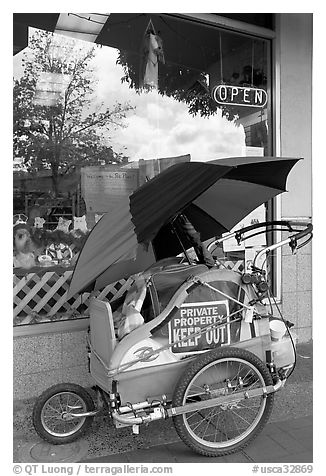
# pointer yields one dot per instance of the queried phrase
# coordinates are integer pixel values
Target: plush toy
(36, 212)
(80, 223)
(39, 222)
(21, 236)
(63, 225)
(25, 250)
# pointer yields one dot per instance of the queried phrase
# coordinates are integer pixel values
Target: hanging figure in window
(152, 54)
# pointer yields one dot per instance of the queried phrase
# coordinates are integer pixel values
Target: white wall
(294, 62)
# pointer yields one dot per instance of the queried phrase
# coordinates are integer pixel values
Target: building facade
(205, 73)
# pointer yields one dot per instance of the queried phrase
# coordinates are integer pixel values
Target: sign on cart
(192, 318)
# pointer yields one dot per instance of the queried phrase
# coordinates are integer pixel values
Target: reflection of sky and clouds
(159, 126)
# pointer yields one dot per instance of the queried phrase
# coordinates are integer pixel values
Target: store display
(35, 246)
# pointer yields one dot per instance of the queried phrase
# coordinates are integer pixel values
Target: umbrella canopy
(213, 195)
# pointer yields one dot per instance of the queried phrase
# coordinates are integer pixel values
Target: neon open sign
(239, 96)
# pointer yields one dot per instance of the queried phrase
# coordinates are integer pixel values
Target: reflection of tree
(71, 130)
(178, 82)
(190, 87)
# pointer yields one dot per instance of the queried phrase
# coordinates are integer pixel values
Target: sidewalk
(286, 438)
(289, 441)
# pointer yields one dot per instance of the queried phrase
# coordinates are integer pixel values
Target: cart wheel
(225, 428)
(51, 414)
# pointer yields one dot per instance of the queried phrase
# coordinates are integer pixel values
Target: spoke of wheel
(239, 368)
(209, 421)
(216, 429)
(231, 368)
(199, 387)
(205, 428)
(192, 397)
(236, 377)
(76, 402)
(248, 423)
(254, 383)
(54, 409)
(57, 424)
(253, 376)
(194, 413)
(248, 372)
(194, 427)
(218, 426)
(211, 415)
(235, 424)
(225, 432)
(51, 417)
(67, 402)
(60, 403)
(251, 407)
(214, 413)
(203, 416)
(254, 409)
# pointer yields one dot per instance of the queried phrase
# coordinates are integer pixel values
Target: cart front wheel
(229, 427)
(52, 413)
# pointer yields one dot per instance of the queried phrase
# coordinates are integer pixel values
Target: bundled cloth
(152, 54)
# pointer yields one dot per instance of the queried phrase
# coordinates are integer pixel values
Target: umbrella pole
(175, 231)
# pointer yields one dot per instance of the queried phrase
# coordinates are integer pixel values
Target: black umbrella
(214, 196)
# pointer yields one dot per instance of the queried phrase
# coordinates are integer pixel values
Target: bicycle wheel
(52, 417)
(229, 427)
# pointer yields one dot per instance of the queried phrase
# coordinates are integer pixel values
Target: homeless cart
(191, 339)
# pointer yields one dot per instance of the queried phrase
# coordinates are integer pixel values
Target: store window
(159, 89)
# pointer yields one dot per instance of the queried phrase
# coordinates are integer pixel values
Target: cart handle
(291, 240)
(238, 234)
(275, 225)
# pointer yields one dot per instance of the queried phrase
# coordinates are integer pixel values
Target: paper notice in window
(103, 187)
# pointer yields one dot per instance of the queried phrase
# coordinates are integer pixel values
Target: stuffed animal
(25, 250)
(63, 225)
(22, 237)
(39, 222)
(36, 212)
(80, 223)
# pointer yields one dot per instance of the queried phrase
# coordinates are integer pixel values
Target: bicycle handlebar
(289, 226)
(291, 240)
(241, 231)
(264, 224)
(306, 231)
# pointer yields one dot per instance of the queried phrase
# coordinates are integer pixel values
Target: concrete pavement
(289, 441)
